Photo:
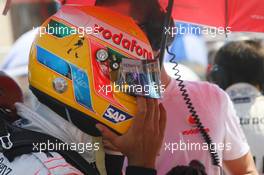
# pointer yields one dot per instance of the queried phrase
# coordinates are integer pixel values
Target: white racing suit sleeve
(37, 164)
(235, 140)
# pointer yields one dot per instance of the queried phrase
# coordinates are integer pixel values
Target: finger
(163, 120)
(149, 125)
(157, 117)
(107, 133)
(150, 112)
(109, 146)
(139, 119)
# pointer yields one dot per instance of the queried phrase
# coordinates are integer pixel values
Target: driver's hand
(142, 142)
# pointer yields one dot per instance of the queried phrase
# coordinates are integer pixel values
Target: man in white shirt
(239, 70)
(216, 113)
(183, 142)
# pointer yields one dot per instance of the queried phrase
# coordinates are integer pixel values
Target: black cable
(165, 35)
(188, 102)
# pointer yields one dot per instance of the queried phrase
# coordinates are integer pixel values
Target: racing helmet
(94, 62)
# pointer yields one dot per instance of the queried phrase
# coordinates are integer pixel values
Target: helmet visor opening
(137, 78)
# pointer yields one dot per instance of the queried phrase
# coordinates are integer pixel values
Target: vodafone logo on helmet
(107, 33)
(124, 42)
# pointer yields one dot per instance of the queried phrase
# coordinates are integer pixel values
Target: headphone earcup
(218, 76)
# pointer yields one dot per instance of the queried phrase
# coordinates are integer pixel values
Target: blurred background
(194, 51)
(22, 17)
(194, 46)
(17, 31)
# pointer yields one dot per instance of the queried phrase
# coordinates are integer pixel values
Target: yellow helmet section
(63, 62)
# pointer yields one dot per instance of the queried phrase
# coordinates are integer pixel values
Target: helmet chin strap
(7, 7)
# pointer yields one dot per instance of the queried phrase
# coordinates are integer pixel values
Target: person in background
(239, 70)
(15, 64)
(220, 120)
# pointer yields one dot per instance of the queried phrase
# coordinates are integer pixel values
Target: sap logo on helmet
(114, 115)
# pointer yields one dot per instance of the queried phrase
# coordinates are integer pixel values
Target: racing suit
(35, 116)
(249, 103)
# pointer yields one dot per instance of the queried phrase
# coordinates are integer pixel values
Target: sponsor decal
(78, 76)
(241, 100)
(194, 131)
(115, 115)
(120, 39)
(4, 169)
(251, 121)
(107, 33)
(191, 121)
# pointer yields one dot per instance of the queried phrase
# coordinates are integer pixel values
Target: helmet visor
(137, 78)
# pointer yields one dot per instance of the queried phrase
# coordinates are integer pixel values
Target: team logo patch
(191, 120)
(194, 131)
(114, 115)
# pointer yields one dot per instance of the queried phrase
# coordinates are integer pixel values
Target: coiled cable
(188, 102)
